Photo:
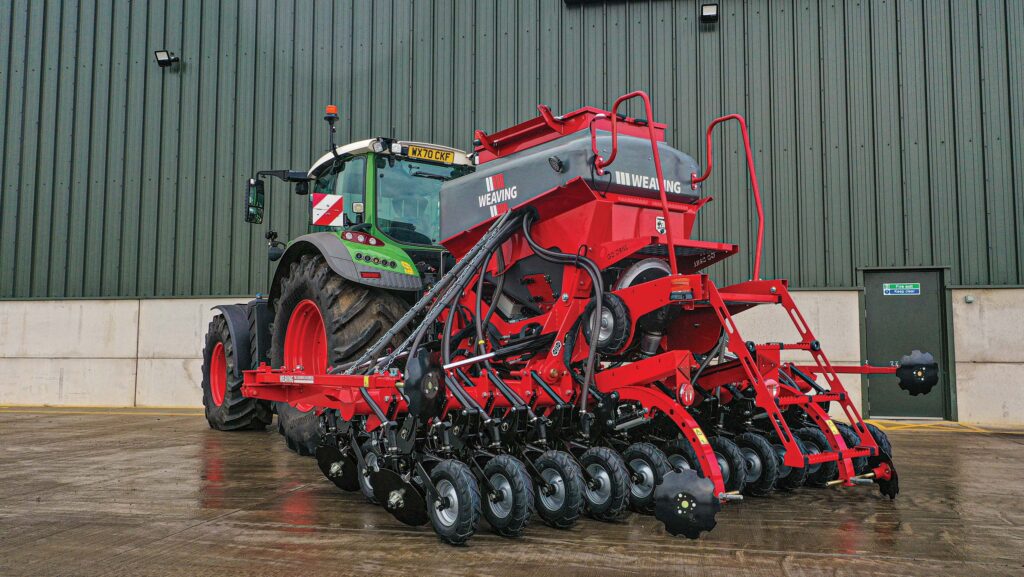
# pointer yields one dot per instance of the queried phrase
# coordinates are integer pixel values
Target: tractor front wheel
(227, 409)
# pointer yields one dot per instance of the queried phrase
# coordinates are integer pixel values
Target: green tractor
(375, 215)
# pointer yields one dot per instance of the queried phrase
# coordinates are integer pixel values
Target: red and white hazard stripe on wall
(328, 210)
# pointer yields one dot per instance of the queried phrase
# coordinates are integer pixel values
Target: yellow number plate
(431, 154)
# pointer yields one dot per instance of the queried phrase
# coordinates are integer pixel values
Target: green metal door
(904, 310)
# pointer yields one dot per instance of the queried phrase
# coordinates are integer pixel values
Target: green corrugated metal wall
(887, 133)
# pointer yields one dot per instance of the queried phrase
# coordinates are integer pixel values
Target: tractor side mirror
(302, 187)
(254, 201)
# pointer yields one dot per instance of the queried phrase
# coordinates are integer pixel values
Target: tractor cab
(387, 188)
(374, 209)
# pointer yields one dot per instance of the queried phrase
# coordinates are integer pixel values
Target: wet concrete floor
(125, 492)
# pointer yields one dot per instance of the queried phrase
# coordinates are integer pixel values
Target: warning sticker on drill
(700, 436)
(832, 427)
(890, 289)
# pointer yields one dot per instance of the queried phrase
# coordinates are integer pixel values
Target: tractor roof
(364, 146)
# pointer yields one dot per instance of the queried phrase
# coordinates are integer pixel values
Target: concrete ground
(133, 492)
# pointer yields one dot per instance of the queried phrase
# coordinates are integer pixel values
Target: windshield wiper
(422, 174)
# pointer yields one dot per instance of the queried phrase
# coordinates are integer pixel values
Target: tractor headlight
(396, 148)
(377, 146)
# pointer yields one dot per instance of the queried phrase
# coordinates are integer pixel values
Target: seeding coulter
(571, 359)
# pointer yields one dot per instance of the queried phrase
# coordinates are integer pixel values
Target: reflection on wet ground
(157, 493)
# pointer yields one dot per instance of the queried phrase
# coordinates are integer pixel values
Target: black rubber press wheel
(762, 464)
(509, 509)
(455, 509)
(731, 462)
(647, 466)
(607, 490)
(815, 442)
(559, 490)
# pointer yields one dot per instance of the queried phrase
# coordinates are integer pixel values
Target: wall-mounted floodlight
(709, 13)
(165, 58)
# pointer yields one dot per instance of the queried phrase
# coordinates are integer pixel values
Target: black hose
(715, 352)
(457, 287)
(427, 301)
(595, 277)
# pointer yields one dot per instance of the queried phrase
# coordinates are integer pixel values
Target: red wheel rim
(305, 343)
(218, 374)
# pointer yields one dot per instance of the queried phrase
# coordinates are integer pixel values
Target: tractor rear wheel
(320, 321)
(227, 409)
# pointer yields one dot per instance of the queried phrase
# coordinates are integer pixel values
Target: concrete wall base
(121, 353)
(148, 353)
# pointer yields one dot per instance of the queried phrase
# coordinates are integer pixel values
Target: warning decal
(328, 210)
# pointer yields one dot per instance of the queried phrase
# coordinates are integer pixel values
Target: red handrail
(600, 163)
(695, 180)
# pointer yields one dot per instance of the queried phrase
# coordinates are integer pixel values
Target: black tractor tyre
(607, 494)
(730, 459)
(226, 408)
(647, 467)
(510, 515)
(455, 483)
(790, 478)
(354, 317)
(681, 455)
(762, 464)
(371, 463)
(828, 470)
(852, 439)
(881, 438)
(561, 507)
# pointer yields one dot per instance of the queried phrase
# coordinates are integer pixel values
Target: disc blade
(339, 467)
(918, 373)
(686, 503)
(401, 499)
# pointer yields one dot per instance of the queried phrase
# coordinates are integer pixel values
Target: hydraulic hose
(595, 276)
(424, 301)
(462, 272)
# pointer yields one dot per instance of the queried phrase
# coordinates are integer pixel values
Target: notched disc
(889, 487)
(918, 373)
(685, 502)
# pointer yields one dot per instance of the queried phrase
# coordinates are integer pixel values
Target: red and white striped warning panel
(328, 210)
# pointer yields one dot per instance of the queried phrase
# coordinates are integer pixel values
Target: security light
(165, 58)
(709, 13)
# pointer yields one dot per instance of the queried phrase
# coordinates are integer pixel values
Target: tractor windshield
(408, 198)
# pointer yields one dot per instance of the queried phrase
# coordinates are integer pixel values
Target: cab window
(348, 179)
(408, 198)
